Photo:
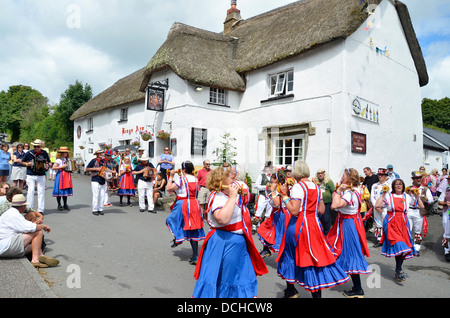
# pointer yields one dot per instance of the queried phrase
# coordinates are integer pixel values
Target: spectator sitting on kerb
(19, 236)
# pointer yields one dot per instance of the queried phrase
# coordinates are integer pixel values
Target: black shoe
(152, 211)
(265, 253)
(95, 213)
(175, 243)
(193, 261)
(377, 244)
(447, 257)
(60, 208)
(291, 293)
(101, 213)
(353, 294)
(399, 276)
(141, 210)
(66, 207)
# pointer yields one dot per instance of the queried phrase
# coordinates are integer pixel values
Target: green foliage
(436, 114)
(26, 115)
(227, 152)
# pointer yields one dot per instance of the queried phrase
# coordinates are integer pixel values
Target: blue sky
(49, 44)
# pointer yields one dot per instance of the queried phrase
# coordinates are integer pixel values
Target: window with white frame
(90, 124)
(217, 96)
(288, 150)
(123, 114)
(281, 83)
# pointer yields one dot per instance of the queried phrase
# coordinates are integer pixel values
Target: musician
(37, 162)
(380, 213)
(263, 199)
(145, 173)
(63, 178)
(416, 217)
(185, 220)
(98, 183)
(112, 184)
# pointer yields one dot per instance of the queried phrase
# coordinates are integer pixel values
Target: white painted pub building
(333, 82)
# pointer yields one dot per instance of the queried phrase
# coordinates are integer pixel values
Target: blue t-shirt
(166, 165)
(42, 157)
(96, 178)
(4, 158)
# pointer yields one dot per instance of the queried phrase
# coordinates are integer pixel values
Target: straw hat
(63, 149)
(19, 200)
(98, 151)
(144, 158)
(37, 142)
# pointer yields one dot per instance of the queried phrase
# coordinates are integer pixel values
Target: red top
(202, 174)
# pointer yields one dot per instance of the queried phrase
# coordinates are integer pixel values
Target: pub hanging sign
(154, 99)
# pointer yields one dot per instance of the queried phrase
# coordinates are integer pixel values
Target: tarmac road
(127, 254)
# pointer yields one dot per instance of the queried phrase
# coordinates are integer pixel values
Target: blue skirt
(124, 192)
(351, 260)
(279, 227)
(175, 223)
(226, 270)
(286, 268)
(57, 192)
(399, 248)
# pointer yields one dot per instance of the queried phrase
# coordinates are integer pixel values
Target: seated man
(19, 236)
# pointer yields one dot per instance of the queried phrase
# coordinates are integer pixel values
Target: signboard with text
(359, 143)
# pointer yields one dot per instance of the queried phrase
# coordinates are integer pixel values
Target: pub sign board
(359, 143)
(155, 99)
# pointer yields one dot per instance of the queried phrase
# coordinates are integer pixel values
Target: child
(158, 187)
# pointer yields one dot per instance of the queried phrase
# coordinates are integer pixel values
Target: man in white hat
(19, 236)
(37, 162)
(98, 183)
(145, 173)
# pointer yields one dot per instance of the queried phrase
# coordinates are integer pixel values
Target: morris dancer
(98, 183)
(145, 174)
(229, 261)
(37, 163)
(416, 217)
(126, 185)
(396, 240)
(347, 236)
(444, 200)
(271, 231)
(185, 220)
(379, 214)
(305, 256)
(63, 179)
(113, 184)
(262, 199)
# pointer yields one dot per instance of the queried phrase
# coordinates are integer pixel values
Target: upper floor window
(90, 124)
(123, 114)
(217, 96)
(281, 83)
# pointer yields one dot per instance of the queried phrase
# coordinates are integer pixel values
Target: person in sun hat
(19, 236)
(37, 162)
(63, 179)
(145, 173)
(375, 193)
(418, 224)
(98, 183)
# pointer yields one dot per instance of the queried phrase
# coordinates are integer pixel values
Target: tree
(72, 99)
(436, 113)
(14, 104)
(227, 152)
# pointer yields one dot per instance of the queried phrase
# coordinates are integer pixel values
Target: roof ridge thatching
(124, 91)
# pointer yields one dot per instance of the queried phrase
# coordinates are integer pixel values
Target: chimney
(233, 15)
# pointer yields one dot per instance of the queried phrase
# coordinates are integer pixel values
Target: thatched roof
(124, 91)
(220, 60)
(217, 60)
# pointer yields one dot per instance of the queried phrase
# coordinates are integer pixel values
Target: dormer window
(281, 83)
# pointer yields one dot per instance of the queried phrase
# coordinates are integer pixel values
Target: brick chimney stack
(233, 15)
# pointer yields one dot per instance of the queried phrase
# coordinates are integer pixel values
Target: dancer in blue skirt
(229, 261)
(63, 187)
(347, 236)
